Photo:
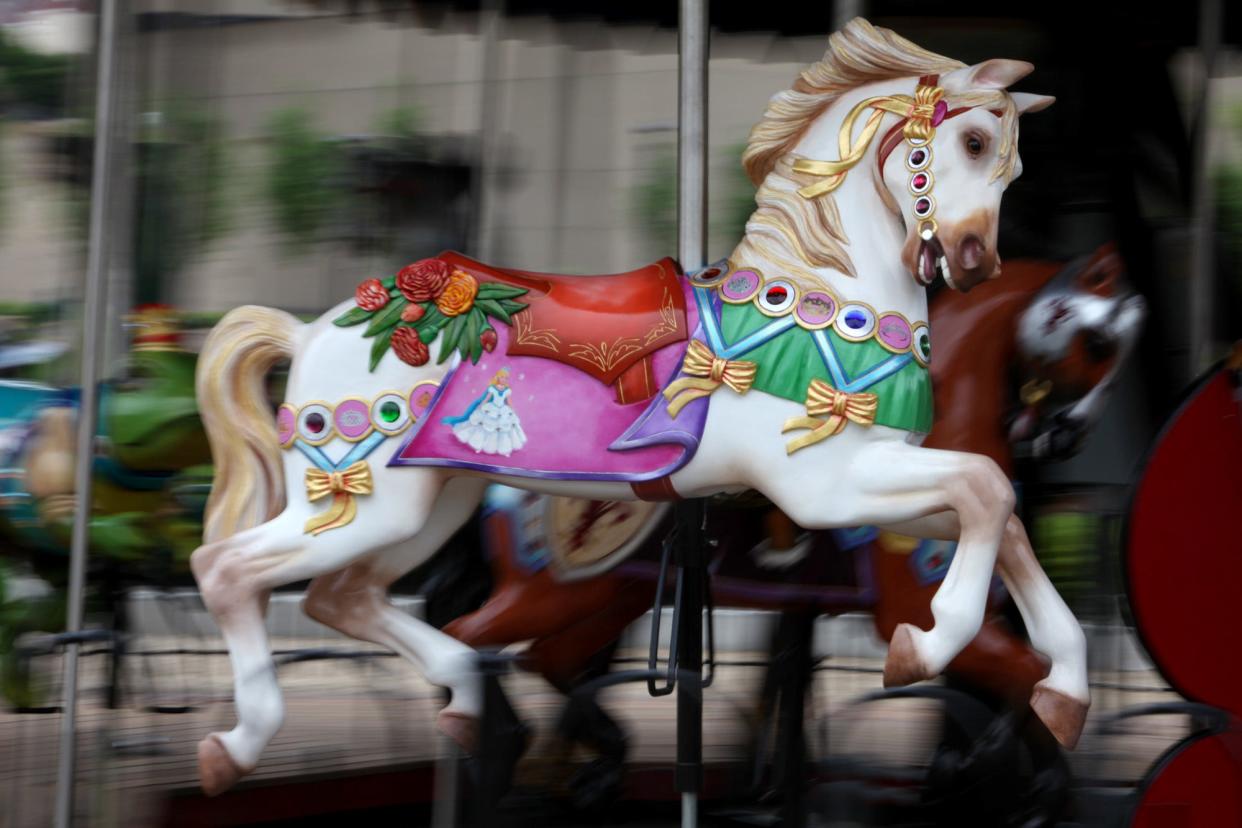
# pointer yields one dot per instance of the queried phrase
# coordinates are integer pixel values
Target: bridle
(920, 115)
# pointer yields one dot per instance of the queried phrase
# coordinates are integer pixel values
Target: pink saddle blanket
(528, 416)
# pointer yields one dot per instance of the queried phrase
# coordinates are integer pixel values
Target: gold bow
(355, 479)
(707, 372)
(918, 112)
(839, 406)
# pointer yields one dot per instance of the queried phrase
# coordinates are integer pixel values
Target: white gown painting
(490, 425)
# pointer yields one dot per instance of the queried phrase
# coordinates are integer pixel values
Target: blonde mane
(785, 224)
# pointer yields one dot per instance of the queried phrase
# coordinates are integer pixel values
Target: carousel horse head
(939, 166)
(1072, 341)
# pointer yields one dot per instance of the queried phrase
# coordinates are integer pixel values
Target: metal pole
(482, 234)
(692, 43)
(692, 46)
(93, 318)
(1202, 270)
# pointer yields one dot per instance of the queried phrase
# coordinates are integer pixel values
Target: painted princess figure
(490, 425)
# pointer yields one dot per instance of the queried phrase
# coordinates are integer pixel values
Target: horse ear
(997, 73)
(1027, 102)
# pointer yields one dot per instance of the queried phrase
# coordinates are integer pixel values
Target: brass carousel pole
(93, 337)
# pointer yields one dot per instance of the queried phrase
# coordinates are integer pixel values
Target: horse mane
(858, 54)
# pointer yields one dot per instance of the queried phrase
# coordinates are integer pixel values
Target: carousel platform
(359, 735)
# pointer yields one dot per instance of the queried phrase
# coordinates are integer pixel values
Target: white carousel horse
(848, 246)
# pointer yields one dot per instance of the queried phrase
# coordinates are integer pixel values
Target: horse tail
(249, 484)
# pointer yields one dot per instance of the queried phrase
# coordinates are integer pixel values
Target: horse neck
(874, 233)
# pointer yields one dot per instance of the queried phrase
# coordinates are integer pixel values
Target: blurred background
(278, 152)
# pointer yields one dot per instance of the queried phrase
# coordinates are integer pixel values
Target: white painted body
(865, 475)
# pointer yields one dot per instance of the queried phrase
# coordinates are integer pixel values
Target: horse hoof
(1062, 714)
(462, 729)
(904, 665)
(217, 771)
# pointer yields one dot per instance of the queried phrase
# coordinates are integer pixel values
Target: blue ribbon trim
(360, 450)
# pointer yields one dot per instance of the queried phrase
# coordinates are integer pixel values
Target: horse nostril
(970, 252)
(1099, 346)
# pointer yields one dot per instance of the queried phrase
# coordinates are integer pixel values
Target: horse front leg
(1061, 697)
(889, 482)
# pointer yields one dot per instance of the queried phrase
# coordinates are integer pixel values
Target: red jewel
(777, 294)
(941, 109)
(920, 181)
(922, 206)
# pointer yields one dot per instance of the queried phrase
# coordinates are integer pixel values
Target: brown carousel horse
(1068, 328)
(1063, 329)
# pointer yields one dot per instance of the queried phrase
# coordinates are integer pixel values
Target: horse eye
(974, 146)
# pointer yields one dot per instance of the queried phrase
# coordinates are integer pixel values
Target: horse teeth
(943, 264)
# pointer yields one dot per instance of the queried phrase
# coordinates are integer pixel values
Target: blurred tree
(181, 202)
(1228, 182)
(32, 79)
(301, 177)
(655, 199)
(404, 123)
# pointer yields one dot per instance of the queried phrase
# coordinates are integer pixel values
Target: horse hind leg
(235, 576)
(355, 601)
(238, 609)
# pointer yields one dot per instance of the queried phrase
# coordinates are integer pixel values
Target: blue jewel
(855, 319)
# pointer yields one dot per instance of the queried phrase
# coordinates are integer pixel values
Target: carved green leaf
(386, 317)
(353, 316)
(380, 347)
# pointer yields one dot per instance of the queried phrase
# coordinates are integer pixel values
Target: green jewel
(390, 412)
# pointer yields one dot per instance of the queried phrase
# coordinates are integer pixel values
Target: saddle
(606, 326)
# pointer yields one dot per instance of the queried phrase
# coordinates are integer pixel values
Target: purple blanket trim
(574, 427)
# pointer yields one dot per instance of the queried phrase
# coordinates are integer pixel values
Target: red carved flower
(412, 313)
(371, 295)
(409, 347)
(488, 340)
(424, 280)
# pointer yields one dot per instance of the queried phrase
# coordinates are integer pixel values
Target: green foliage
(655, 199)
(32, 78)
(1068, 545)
(182, 199)
(300, 177)
(402, 122)
(1228, 186)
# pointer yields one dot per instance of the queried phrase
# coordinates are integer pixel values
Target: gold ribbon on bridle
(918, 110)
(707, 373)
(355, 479)
(822, 400)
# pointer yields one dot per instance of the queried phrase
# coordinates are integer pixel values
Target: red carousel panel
(1185, 548)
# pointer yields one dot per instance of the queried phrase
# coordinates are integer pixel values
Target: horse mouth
(933, 263)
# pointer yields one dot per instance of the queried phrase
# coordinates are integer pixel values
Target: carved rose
(488, 340)
(409, 347)
(371, 295)
(458, 295)
(423, 280)
(412, 313)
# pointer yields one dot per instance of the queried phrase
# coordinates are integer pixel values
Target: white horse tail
(249, 484)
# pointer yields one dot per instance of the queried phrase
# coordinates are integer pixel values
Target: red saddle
(607, 326)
